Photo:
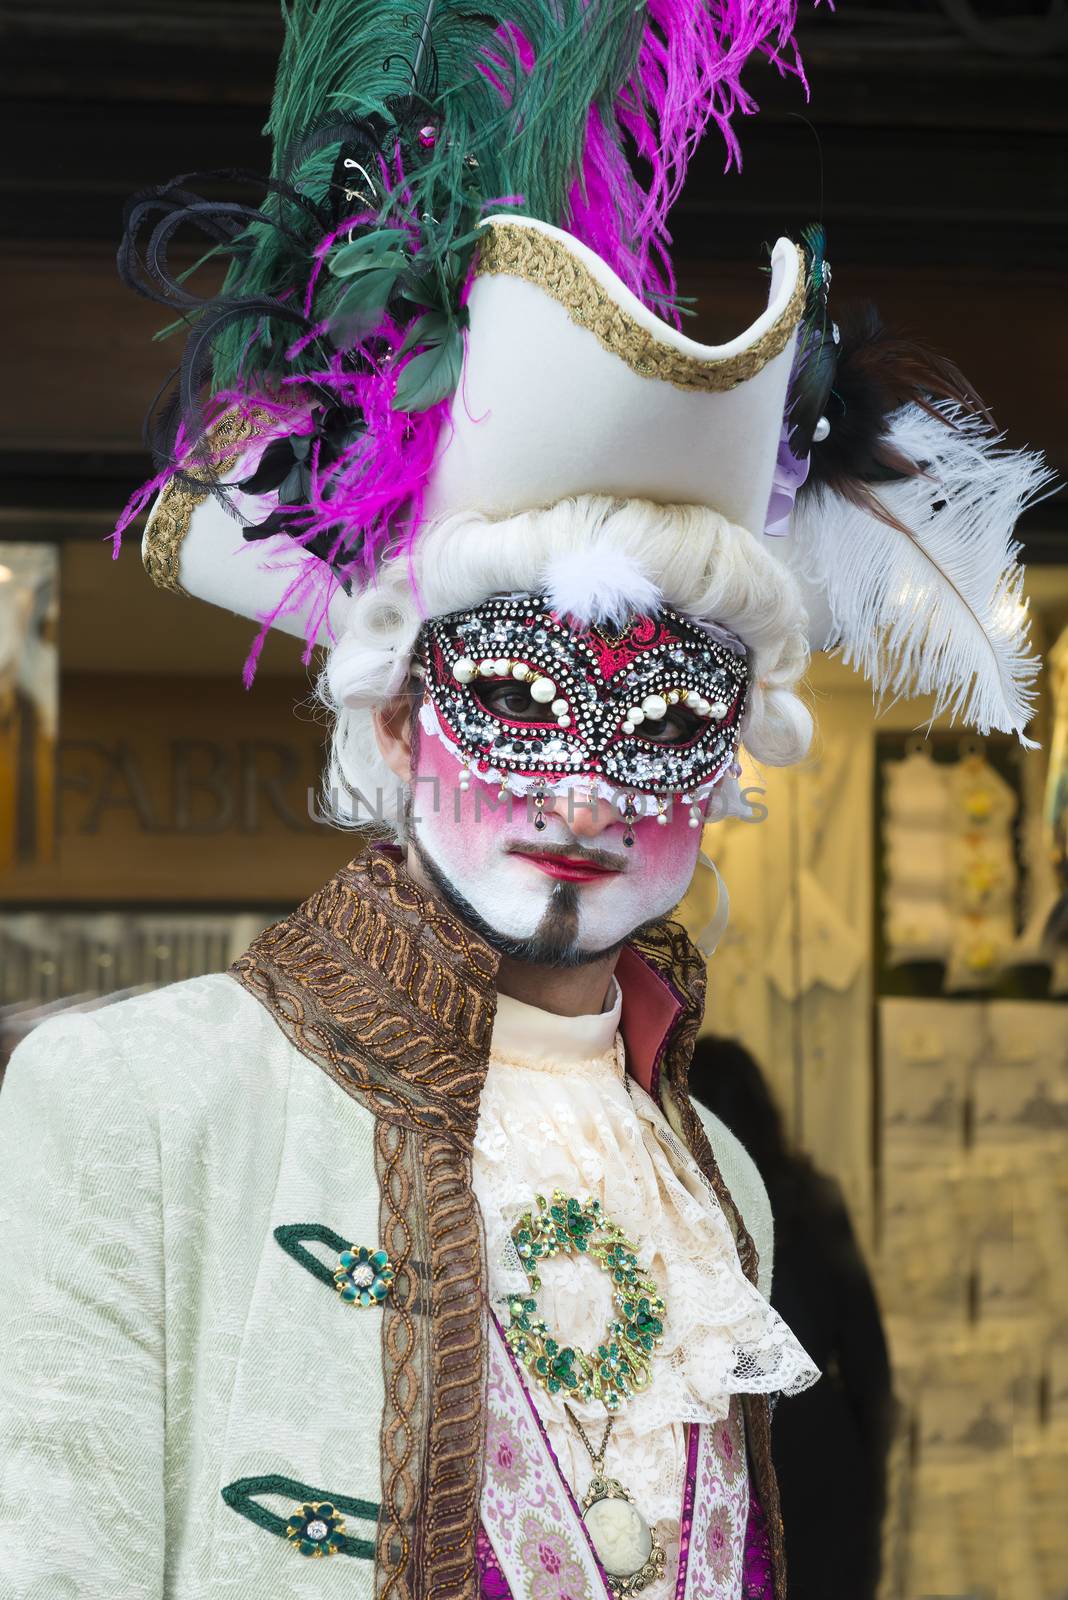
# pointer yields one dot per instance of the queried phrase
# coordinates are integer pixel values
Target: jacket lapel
(672, 960)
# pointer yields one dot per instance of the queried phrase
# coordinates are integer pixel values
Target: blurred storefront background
(883, 960)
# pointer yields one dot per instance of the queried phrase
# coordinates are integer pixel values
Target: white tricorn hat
(571, 386)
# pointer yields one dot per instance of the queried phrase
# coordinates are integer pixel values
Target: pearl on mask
(543, 690)
(465, 640)
(661, 814)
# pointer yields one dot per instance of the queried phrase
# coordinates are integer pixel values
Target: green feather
(347, 59)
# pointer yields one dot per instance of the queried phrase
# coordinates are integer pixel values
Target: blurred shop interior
(884, 960)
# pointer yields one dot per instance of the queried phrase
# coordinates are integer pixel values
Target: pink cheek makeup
(441, 796)
(444, 801)
(669, 852)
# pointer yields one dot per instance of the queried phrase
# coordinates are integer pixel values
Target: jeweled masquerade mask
(529, 701)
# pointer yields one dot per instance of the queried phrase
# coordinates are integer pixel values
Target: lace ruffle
(584, 1128)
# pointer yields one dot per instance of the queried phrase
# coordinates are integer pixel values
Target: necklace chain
(596, 1456)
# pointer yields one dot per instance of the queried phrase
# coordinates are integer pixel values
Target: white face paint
(542, 890)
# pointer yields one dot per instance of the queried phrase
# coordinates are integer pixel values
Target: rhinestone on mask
(598, 715)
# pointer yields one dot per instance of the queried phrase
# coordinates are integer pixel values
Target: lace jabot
(559, 1110)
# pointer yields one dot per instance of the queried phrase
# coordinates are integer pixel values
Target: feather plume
(923, 582)
(816, 359)
(523, 103)
(396, 128)
(599, 585)
(859, 375)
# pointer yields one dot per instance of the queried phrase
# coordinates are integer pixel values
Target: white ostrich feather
(598, 584)
(938, 609)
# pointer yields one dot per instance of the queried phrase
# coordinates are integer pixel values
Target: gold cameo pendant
(626, 1546)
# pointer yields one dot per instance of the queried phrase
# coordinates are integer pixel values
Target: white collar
(528, 1032)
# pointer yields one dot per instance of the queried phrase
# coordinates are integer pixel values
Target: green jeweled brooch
(316, 1529)
(363, 1277)
(621, 1365)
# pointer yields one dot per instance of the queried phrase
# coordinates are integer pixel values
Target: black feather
(817, 350)
(875, 373)
(151, 220)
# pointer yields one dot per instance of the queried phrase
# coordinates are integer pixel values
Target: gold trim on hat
(161, 551)
(542, 259)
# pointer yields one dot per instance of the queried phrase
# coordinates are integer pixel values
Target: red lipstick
(568, 868)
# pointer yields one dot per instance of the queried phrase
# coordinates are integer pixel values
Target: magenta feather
(369, 501)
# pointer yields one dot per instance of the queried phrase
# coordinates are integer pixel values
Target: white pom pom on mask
(598, 585)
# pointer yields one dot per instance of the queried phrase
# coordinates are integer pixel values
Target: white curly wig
(594, 556)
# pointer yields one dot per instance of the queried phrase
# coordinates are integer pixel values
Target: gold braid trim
(390, 992)
(538, 258)
(162, 547)
(405, 1354)
(453, 1490)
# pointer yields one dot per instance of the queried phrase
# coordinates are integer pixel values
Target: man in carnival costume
(401, 1244)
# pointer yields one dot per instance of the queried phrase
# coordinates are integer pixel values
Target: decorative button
(316, 1529)
(363, 1277)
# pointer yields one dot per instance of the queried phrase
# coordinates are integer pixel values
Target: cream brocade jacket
(176, 1174)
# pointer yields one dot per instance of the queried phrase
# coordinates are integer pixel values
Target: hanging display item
(916, 921)
(982, 875)
(949, 857)
(621, 1364)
